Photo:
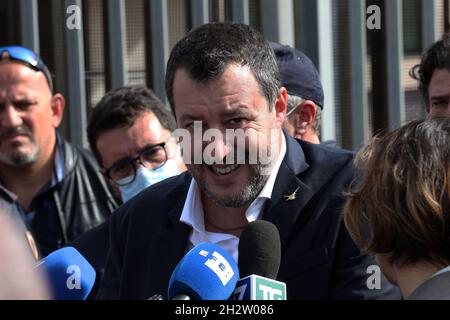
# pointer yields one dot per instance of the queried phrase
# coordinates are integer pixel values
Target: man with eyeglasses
(130, 134)
(56, 188)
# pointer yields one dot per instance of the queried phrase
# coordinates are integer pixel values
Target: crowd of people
(141, 197)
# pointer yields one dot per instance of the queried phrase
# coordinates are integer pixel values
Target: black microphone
(259, 261)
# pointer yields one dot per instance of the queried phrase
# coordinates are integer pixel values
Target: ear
(280, 107)
(58, 103)
(304, 117)
(307, 113)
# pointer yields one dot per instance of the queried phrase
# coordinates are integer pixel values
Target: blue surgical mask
(145, 177)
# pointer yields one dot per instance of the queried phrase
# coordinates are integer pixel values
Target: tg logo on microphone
(255, 287)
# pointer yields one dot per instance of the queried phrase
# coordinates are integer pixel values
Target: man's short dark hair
(207, 51)
(436, 57)
(121, 108)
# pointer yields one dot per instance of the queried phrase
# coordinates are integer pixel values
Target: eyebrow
(186, 117)
(237, 112)
(440, 97)
(241, 110)
(22, 100)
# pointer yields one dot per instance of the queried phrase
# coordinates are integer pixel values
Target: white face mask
(145, 177)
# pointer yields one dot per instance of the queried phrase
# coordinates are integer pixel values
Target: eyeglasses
(27, 57)
(124, 171)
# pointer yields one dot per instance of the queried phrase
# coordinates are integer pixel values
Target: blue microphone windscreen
(70, 275)
(206, 272)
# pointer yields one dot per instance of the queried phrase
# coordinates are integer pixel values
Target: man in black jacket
(221, 79)
(57, 189)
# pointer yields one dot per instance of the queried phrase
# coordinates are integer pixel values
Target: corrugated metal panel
(342, 74)
(95, 51)
(135, 13)
(178, 20)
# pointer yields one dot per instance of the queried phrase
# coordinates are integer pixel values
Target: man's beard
(242, 197)
(259, 172)
(19, 157)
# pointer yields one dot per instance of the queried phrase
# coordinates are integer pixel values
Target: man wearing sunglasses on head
(56, 188)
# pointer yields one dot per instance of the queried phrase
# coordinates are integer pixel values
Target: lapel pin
(292, 196)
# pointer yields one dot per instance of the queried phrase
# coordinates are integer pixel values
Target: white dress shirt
(193, 215)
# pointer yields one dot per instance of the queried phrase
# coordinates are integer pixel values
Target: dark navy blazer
(319, 259)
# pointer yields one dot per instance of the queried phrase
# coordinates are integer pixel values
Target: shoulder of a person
(434, 288)
(317, 154)
(74, 156)
(87, 156)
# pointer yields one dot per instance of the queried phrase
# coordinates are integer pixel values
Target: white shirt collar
(193, 214)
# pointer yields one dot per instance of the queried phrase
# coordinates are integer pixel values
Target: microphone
(206, 272)
(70, 275)
(259, 261)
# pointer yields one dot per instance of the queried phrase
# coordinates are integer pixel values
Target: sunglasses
(27, 57)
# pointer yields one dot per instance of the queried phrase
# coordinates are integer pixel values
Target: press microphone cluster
(208, 272)
(69, 274)
(259, 261)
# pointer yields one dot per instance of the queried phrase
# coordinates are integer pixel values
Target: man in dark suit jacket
(224, 77)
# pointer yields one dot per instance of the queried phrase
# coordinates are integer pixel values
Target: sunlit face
(232, 101)
(439, 93)
(126, 143)
(28, 114)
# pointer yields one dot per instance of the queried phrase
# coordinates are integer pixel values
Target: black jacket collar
(290, 194)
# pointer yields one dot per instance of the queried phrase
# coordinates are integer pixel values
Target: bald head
(14, 73)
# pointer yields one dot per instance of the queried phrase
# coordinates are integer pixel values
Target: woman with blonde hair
(400, 211)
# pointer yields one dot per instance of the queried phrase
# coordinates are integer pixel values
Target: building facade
(363, 49)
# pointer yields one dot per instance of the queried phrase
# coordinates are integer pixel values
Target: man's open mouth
(224, 169)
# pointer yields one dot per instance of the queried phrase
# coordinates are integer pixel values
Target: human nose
(216, 151)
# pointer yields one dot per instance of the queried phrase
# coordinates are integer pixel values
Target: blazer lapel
(167, 248)
(290, 194)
